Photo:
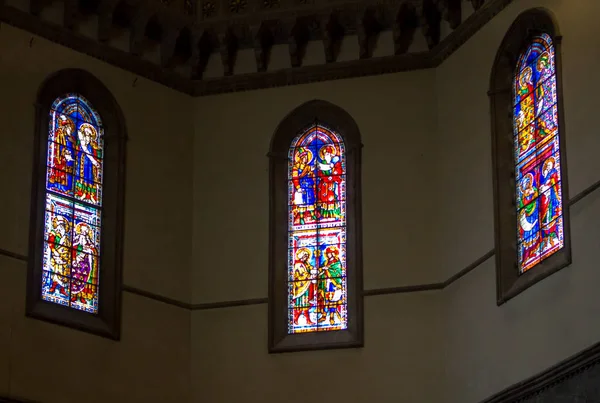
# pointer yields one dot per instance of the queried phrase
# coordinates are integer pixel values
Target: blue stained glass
(72, 227)
(537, 155)
(317, 286)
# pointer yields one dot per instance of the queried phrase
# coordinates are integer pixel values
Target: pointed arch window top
(75, 150)
(540, 45)
(316, 171)
(317, 232)
(315, 264)
(76, 230)
(530, 181)
(537, 155)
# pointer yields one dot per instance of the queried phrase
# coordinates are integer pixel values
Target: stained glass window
(317, 284)
(537, 155)
(73, 205)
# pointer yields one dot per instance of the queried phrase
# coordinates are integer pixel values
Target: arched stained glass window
(537, 155)
(73, 204)
(74, 275)
(532, 220)
(317, 231)
(315, 259)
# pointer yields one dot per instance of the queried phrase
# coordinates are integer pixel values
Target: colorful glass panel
(71, 258)
(537, 155)
(317, 285)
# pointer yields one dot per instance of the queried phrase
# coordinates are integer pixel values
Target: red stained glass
(72, 226)
(537, 157)
(317, 288)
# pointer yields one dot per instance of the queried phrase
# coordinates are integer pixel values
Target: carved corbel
(208, 44)
(332, 33)
(36, 6)
(452, 12)
(168, 41)
(105, 17)
(294, 49)
(404, 27)
(138, 30)
(262, 41)
(362, 33)
(298, 36)
(70, 14)
(369, 23)
(477, 4)
(189, 7)
(430, 22)
(228, 46)
(202, 48)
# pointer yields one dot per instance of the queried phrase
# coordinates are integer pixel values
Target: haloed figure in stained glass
(87, 164)
(73, 205)
(83, 264)
(537, 155)
(303, 180)
(61, 155)
(550, 205)
(525, 115)
(304, 285)
(60, 259)
(544, 71)
(317, 232)
(528, 216)
(330, 178)
(330, 287)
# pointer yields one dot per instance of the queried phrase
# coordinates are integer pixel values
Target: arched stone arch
(316, 118)
(93, 305)
(513, 142)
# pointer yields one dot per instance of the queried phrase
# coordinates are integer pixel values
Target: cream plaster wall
(50, 363)
(231, 180)
(396, 118)
(489, 347)
(196, 231)
(401, 361)
(442, 200)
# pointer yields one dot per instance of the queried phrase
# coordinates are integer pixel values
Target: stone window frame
(107, 322)
(509, 282)
(294, 123)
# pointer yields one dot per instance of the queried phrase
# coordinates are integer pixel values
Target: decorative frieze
(187, 33)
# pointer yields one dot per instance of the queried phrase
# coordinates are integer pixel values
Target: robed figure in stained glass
(317, 232)
(88, 173)
(303, 286)
(84, 264)
(330, 179)
(537, 149)
(60, 259)
(61, 155)
(303, 181)
(544, 88)
(550, 202)
(330, 296)
(525, 107)
(73, 205)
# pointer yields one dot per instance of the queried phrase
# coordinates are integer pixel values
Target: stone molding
(186, 41)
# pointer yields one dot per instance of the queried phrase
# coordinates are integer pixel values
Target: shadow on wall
(584, 386)
(576, 379)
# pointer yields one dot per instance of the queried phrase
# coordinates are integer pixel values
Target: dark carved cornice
(187, 34)
(554, 375)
